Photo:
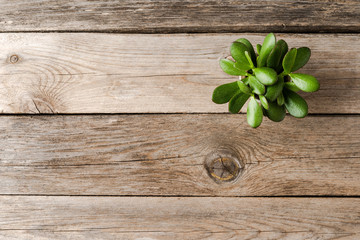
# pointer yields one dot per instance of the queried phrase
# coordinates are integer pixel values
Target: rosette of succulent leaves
(267, 79)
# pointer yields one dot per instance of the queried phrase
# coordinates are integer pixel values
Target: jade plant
(267, 78)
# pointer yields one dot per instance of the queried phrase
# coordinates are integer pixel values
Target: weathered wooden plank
(115, 73)
(24, 217)
(164, 155)
(148, 16)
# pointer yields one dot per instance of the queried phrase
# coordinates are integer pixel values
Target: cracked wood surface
(139, 73)
(174, 16)
(65, 217)
(164, 155)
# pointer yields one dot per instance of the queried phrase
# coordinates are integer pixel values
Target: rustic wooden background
(107, 122)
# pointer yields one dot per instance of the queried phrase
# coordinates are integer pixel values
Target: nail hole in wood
(14, 58)
(223, 165)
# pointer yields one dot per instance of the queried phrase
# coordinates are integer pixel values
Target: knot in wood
(223, 165)
(14, 58)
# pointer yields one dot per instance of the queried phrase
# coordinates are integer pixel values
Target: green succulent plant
(267, 79)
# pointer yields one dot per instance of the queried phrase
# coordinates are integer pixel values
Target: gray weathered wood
(112, 157)
(24, 217)
(148, 16)
(164, 155)
(112, 73)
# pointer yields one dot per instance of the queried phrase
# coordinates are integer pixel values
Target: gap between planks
(179, 196)
(159, 114)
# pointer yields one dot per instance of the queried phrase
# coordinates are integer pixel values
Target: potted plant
(267, 78)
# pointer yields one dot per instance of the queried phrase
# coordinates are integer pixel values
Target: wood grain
(174, 16)
(178, 218)
(119, 73)
(96, 176)
(164, 155)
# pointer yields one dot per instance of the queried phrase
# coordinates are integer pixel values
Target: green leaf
(280, 99)
(245, 80)
(266, 76)
(275, 113)
(291, 86)
(238, 53)
(230, 68)
(273, 91)
(243, 88)
(254, 113)
(247, 55)
(258, 48)
(289, 61)
(238, 101)
(276, 56)
(250, 48)
(305, 82)
(302, 57)
(264, 111)
(242, 67)
(256, 85)
(223, 93)
(264, 102)
(295, 104)
(268, 45)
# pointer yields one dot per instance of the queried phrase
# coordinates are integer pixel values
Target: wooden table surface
(107, 125)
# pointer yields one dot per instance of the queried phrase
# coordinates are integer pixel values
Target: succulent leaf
(295, 104)
(266, 76)
(256, 85)
(264, 101)
(273, 91)
(305, 82)
(276, 56)
(254, 113)
(275, 112)
(237, 51)
(258, 48)
(291, 86)
(268, 45)
(223, 93)
(289, 60)
(230, 68)
(238, 101)
(302, 57)
(250, 48)
(280, 99)
(243, 87)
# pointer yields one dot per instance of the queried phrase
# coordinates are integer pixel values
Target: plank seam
(160, 113)
(181, 196)
(149, 32)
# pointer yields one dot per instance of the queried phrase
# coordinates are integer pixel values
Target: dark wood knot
(223, 165)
